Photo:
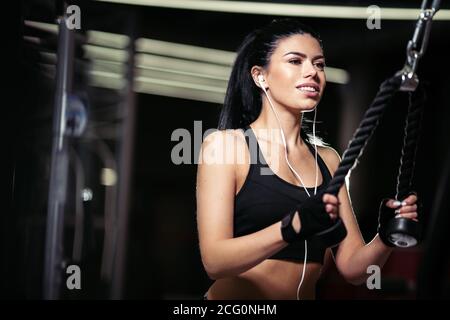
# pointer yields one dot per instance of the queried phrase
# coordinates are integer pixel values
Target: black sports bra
(265, 198)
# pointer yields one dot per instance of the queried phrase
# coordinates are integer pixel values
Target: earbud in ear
(261, 78)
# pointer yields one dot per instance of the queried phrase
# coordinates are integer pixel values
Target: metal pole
(125, 171)
(58, 176)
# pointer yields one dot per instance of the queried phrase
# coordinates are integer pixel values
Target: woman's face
(295, 76)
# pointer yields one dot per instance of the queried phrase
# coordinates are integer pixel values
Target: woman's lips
(309, 94)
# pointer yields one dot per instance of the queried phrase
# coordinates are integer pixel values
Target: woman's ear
(258, 77)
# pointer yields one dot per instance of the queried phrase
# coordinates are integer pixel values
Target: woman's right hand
(313, 215)
(331, 203)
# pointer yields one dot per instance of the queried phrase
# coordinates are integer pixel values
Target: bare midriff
(271, 279)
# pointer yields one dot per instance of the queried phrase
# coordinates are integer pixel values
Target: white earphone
(261, 81)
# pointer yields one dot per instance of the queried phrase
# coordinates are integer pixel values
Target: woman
(260, 179)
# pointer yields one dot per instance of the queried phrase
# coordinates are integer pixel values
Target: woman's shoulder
(224, 138)
(330, 156)
(222, 146)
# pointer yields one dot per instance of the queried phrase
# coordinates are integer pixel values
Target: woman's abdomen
(271, 279)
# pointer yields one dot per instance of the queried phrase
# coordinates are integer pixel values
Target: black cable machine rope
(365, 130)
(410, 142)
(400, 231)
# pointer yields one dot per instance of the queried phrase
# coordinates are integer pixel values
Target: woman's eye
(295, 61)
(320, 65)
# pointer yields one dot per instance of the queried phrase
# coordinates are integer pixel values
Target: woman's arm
(353, 256)
(223, 255)
(373, 253)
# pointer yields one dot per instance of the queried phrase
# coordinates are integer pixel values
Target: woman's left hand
(406, 208)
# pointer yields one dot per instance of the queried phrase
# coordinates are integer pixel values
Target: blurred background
(89, 176)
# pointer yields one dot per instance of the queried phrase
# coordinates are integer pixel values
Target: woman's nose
(309, 69)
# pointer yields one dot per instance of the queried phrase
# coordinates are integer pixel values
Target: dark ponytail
(242, 103)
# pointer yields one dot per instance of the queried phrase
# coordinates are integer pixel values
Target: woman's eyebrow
(301, 54)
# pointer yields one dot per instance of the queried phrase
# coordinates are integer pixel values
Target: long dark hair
(243, 102)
